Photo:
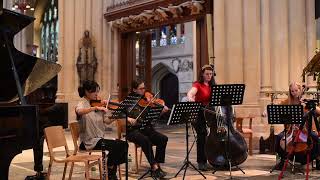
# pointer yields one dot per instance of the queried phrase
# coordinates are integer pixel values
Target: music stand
(122, 112)
(284, 114)
(227, 95)
(151, 115)
(185, 112)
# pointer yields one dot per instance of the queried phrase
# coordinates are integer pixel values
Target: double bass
(218, 145)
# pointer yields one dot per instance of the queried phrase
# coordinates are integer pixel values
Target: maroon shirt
(203, 94)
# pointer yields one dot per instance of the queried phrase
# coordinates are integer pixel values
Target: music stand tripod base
(185, 112)
(152, 114)
(122, 111)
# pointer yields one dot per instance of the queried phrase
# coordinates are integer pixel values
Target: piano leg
(6, 156)
(38, 160)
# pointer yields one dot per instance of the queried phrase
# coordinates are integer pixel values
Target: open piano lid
(32, 71)
(19, 124)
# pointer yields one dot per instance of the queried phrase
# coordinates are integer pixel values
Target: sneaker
(203, 166)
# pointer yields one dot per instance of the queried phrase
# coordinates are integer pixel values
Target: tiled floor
(255, 167)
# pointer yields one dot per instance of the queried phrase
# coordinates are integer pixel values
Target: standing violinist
(294, 98)
(147, 137)
(92, 122)
(201, 92)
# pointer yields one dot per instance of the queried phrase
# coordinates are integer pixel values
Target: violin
(97, 103)
(148, 99)
(111, 104)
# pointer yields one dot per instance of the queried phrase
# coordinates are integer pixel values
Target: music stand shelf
(185, 112)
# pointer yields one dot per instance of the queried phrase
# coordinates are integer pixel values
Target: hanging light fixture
(23, 5)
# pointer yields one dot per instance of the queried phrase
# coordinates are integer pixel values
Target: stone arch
(160, 72)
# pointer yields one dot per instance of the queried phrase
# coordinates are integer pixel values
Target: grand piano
(23, 79)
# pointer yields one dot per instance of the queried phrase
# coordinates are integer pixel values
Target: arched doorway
(169, 89)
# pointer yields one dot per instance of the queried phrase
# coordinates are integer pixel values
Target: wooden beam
(134, 9)
(166, 23)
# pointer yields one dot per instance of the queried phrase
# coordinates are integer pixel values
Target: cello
(218, 146)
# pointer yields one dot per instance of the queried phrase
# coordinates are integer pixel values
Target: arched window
(49, 32)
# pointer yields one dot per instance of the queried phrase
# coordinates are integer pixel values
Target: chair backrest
(75, 133)
(55, 138)
(121, 128)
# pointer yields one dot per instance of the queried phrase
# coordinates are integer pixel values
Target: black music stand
(285, 114)
(122, 112)
(151, 115)
(227, 95)
(185, 112)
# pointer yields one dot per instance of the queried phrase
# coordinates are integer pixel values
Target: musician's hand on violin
(99, 108)
(165, 109)
(132, 121)
(104, 102)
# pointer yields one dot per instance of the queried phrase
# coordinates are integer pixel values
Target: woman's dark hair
(200, 77)
(136, 83)
(87, 85)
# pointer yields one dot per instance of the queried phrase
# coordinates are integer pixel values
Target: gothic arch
(158, 72)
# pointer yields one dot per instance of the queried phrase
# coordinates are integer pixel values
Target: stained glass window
(49, 32)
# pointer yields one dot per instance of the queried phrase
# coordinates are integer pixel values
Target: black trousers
(201, 130)
(146, 138)
(117, 150)
(300, 157)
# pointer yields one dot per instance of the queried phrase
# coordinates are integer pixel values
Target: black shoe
(203, 166)
(317, 164)
(163, 172)
(157, 173)
(279, 166)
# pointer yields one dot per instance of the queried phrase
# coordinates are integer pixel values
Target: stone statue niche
(86, 61)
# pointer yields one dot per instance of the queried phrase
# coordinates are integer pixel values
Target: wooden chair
(55, 138)
(121, 129)
(246, 132)
(75, 133)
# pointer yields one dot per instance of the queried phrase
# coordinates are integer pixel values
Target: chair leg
(250, 145)
(136, 159)
(49, 169)
(87, 170)
(64, 170)
(71, 170)
(100, 169)
(140, 160)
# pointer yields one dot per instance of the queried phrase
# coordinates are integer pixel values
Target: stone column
(234, 41)
(310, 35)
(251, 50)
(296, 39)
(220, 40)
(265, 46)
(279, 44)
